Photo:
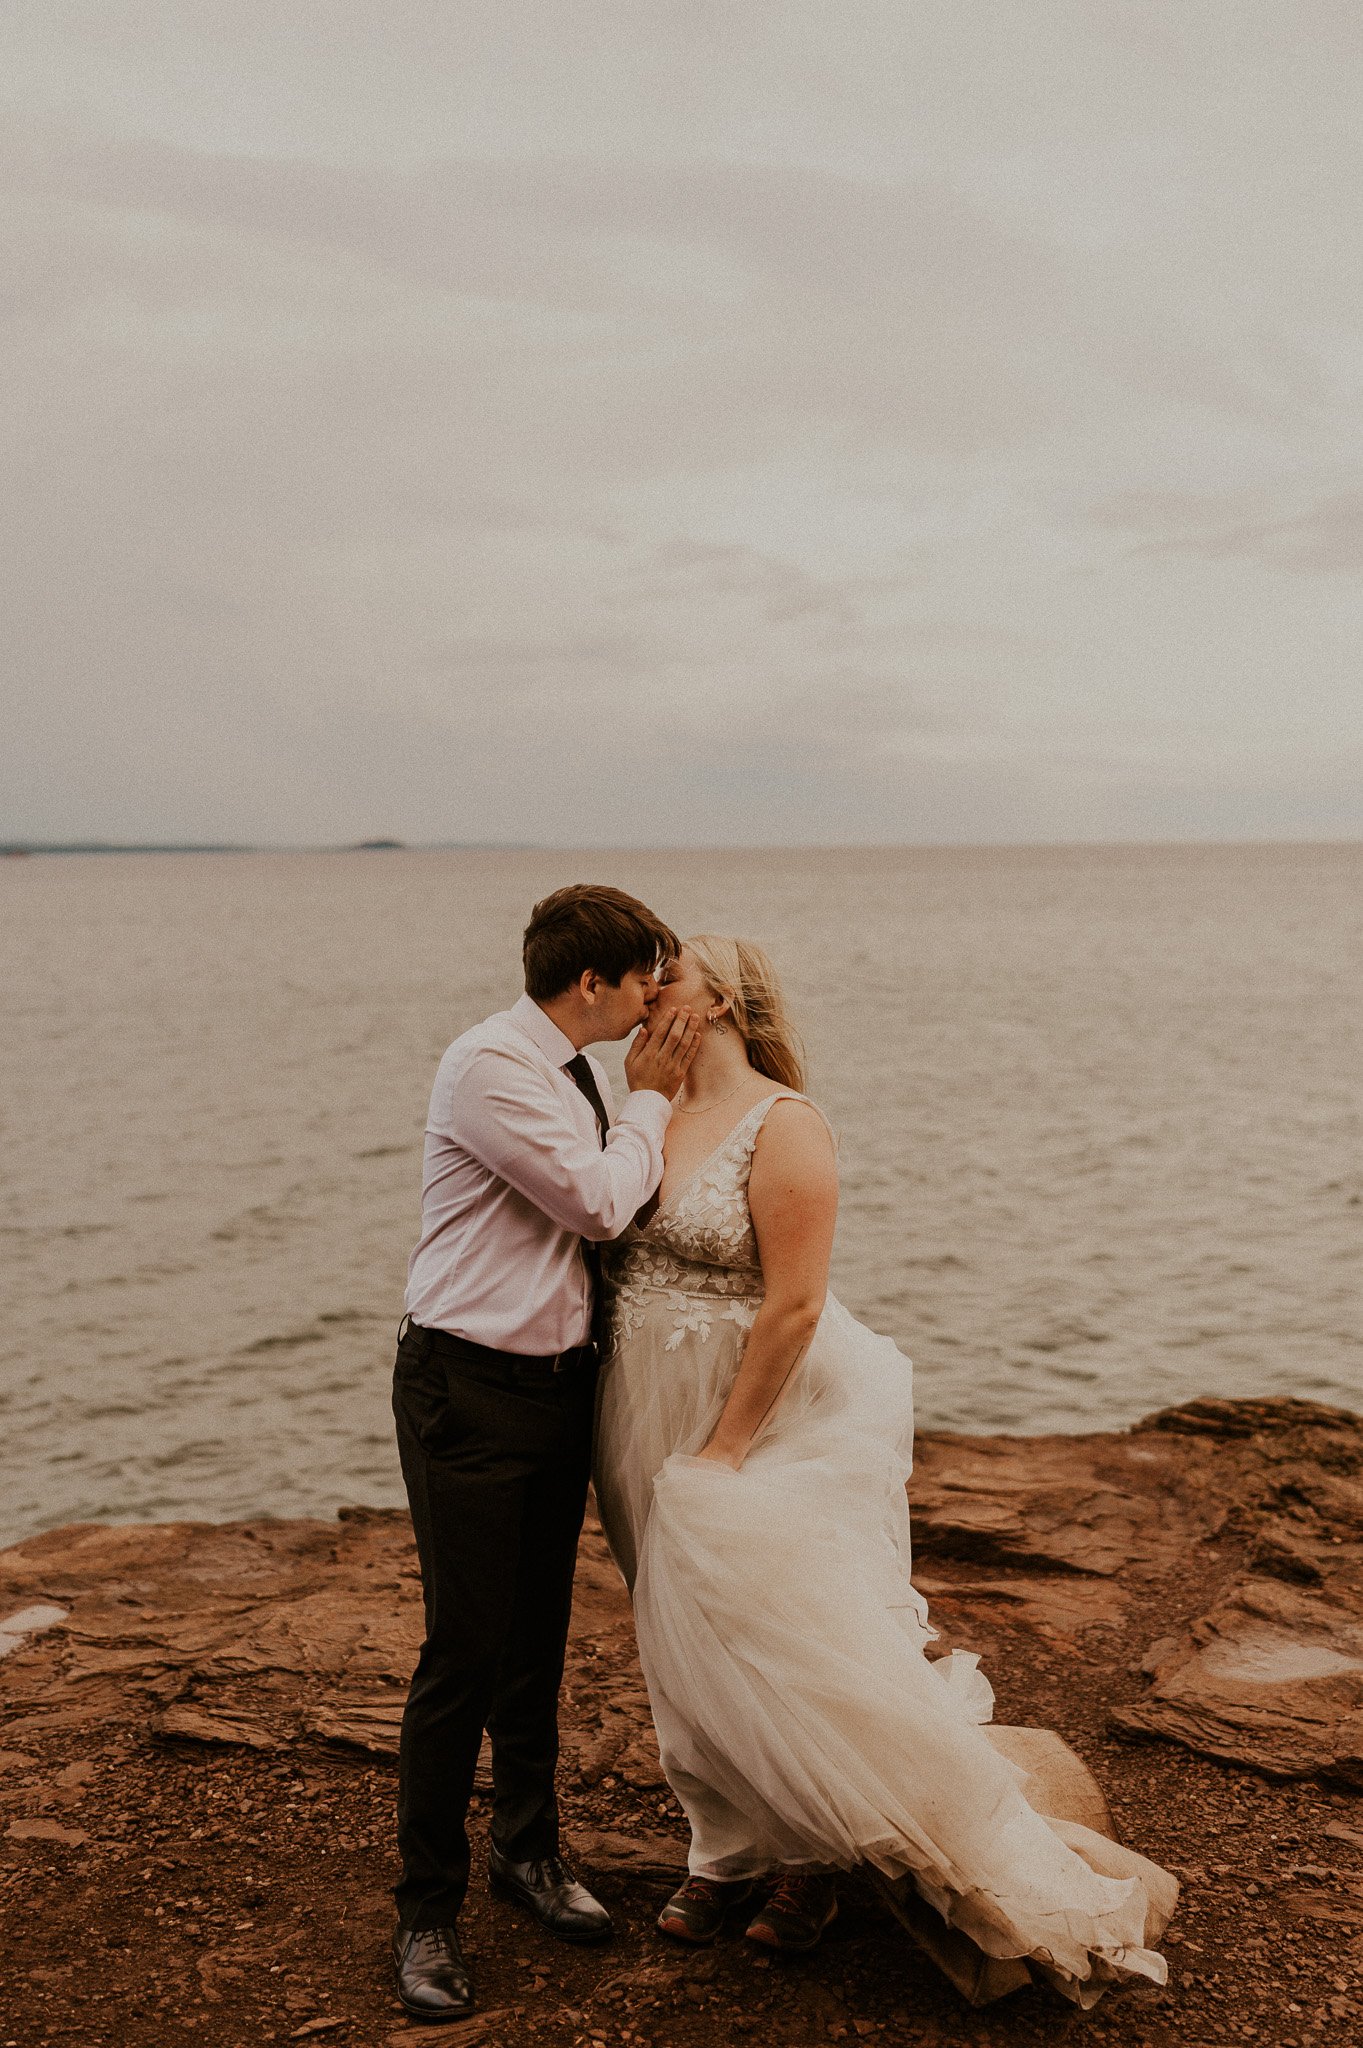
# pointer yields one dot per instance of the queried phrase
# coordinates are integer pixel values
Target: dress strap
(760, 1110)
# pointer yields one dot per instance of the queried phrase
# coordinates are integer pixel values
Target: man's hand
(662, 1052)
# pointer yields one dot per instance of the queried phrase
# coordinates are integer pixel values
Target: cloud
(756, 423)
(703, 307)
(1323, 539)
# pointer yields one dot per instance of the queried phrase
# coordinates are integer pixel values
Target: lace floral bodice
(697, 1254)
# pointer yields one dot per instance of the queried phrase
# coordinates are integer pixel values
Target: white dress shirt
(514, 1177)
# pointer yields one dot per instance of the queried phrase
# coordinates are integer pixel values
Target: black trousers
(496, 1455)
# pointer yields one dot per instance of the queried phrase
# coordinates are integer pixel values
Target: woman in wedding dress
(753, 1442)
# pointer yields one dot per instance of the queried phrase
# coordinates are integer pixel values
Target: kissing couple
(643, 1298)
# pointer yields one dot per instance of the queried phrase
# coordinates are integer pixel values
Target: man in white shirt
(525, 1175)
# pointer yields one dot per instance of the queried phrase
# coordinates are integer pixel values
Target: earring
(717, 1023)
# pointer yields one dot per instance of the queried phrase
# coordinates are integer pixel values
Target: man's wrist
(649, 1097)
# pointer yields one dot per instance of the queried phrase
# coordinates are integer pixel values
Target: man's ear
(589, 985)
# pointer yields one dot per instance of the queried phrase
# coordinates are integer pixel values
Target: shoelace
(435, 1941)
(797, 1891)
(706, 1889)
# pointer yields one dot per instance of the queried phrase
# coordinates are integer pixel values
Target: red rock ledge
(197, 1725)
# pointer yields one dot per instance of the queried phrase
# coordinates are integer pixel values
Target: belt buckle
(557, 1365)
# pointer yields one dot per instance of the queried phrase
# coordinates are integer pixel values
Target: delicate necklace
(718, 1103)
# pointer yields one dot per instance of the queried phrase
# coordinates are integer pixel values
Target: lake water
(1100, 1115)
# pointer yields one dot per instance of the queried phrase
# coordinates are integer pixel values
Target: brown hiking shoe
(695, 1912)
(802, 1904)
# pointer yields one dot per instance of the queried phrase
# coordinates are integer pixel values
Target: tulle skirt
(799, 1720)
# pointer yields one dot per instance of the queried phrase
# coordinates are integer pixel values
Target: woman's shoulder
(791, 1121)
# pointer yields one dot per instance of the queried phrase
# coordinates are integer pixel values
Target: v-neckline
(727, 1139)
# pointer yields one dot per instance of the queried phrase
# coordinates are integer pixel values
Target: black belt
(571, 1360)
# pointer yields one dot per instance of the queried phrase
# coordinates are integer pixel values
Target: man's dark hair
(587, 927)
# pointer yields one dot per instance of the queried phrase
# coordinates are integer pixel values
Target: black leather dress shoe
(433, 1978)
(552, 1894)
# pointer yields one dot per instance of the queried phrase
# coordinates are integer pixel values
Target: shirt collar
(542, 1031)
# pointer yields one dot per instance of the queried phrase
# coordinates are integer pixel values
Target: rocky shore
(198, 1723)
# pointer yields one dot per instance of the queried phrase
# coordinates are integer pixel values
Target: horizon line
(24, 848)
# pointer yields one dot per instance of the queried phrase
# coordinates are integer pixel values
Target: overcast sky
(671, 420)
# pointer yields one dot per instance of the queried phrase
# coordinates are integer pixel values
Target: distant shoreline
(23, 849)
(26, 848)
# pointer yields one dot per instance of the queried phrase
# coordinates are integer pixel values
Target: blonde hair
(741, 972)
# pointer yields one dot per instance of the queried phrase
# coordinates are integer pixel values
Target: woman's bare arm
(793, 1196)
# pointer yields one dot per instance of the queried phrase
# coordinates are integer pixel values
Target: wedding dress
(799, 1720)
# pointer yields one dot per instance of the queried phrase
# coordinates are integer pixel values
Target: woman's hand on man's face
(663, 1049)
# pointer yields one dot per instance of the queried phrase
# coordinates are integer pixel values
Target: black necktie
(579, 1070)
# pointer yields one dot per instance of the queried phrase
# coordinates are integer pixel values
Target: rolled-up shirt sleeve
(508, 1115)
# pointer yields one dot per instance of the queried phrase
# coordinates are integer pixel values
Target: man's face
(621, 1010)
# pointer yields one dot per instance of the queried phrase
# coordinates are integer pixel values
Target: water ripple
(1100, 1115)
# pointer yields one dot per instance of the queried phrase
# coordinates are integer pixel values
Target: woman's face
(684, 987)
